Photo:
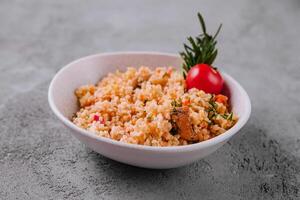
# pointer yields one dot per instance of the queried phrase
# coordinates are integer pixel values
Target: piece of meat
(180, 116)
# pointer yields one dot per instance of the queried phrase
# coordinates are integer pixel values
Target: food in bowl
(152, 107)
(160, 107)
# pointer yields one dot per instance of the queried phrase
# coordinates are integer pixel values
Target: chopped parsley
(230, 116)
(212, 112)
(177, 103)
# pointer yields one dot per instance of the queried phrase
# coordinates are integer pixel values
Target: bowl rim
(204, 144)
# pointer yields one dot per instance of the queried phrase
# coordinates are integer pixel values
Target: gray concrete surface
(259, 46)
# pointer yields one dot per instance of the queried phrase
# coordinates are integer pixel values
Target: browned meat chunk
(180, 116)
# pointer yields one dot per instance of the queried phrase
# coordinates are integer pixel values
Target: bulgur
(140, 106)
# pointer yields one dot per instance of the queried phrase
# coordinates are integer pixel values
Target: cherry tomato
(206, 78)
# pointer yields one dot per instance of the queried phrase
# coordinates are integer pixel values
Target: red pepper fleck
(96, 118)
(186, 102)
(102, 121)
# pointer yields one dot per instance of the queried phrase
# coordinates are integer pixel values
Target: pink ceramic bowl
(91, 69)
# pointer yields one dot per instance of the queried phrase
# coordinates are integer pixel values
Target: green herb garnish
(227, 116)
(177, 103)
(230, 116)
(202, 49)
(212, 102)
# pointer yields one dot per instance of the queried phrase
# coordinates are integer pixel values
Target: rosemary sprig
(201, 49)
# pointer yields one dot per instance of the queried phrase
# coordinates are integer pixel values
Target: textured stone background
(259, 46)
